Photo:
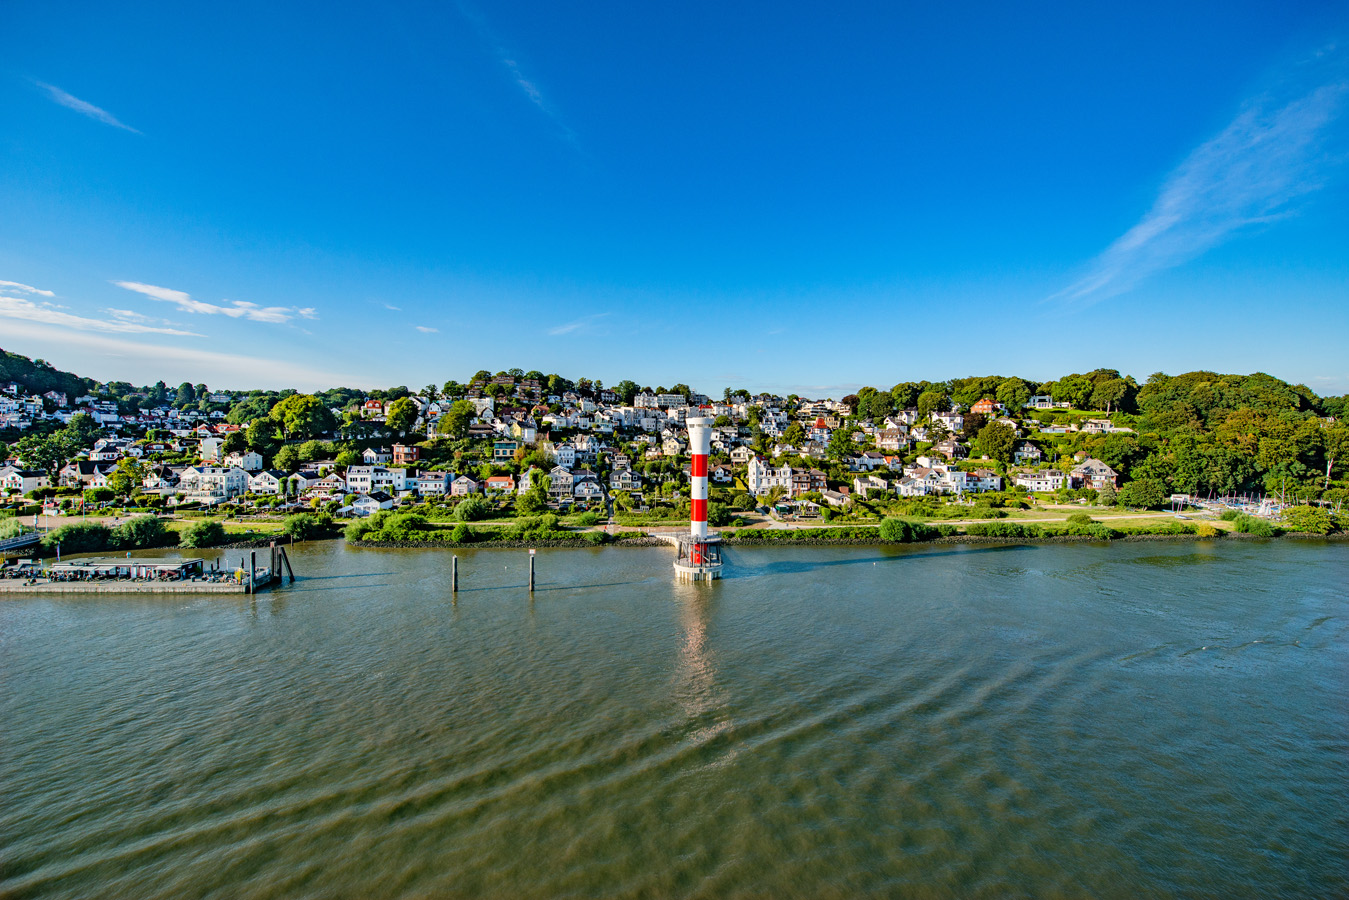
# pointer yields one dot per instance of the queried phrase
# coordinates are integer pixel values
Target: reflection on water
(695, 684)
(1105, 721)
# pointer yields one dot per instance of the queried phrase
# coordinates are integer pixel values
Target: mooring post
(454, 574)
(253, 572)
(286, 559)
(531, 571)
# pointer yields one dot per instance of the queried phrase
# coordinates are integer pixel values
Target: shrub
(302, 527)
(539, 528)
(1004, 529)
(78, 537)
(1252, 525)
(1148, 493)
(588, 519)
(405, 526)
(140, 533)
(357, 530)
(903, 531)
(10, 527)
(718, 514)
(206, 533)
(532, 501)
(1207, 530)
(596, 537)
(1229, 515)
(743, 502)
(1080, 518)
(462, 534)
(1308, 519)
(472, 509)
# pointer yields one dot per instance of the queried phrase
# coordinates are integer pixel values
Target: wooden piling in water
(531, 571)
(286, 559)
(454, 574)
(253, 572)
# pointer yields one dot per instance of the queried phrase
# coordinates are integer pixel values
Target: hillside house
(1095, 474)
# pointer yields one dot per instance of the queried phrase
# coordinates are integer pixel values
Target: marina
(133, 574)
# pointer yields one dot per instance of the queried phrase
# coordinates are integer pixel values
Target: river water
(1143, 719)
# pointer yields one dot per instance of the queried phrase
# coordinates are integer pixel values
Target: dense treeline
(37, 376)
(1200, 432)
(1197, 433)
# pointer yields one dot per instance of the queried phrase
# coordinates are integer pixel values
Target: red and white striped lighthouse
(699, 555)
(700, 445)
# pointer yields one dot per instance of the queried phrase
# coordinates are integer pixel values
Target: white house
(22, 480)
(372, 503)
(213, 484)
(248, 460)
(762, 478)
(210, 448)
(864, 483)
(565, 455)
(1050, 480)
(268, 481)
(433, 484)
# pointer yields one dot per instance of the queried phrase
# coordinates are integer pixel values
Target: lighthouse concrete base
(688, 572)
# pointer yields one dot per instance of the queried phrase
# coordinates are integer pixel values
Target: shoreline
(648, 541)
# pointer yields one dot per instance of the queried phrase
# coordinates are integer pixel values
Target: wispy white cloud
(84, 107)
(392, 307)
(584, 325)
(1253, 172)
(507, 59)
(12, 286)
(427, 329)
(235, 309)
(25, 308)
(143, 363)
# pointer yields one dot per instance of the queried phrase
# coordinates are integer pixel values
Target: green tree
(455, 422)
(930, 402)
(1145, 493)
(1107, 393)
(126, 478)
(532, 501)
(472, 509)
(1336, 447)
(287, 458)
(996, 441)
(626, 390)
(78, 537)
(1013, 393)
(262, 438)
(140, 533)
(841, 444)
(80, 433)
(303, 416)
(303, 527)
(206, 533)
(402, 415)
(186, 395)
(235, 442)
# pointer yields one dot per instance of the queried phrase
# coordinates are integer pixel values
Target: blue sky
(775, 196)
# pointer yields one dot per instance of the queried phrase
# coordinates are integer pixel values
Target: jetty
(145, 575)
